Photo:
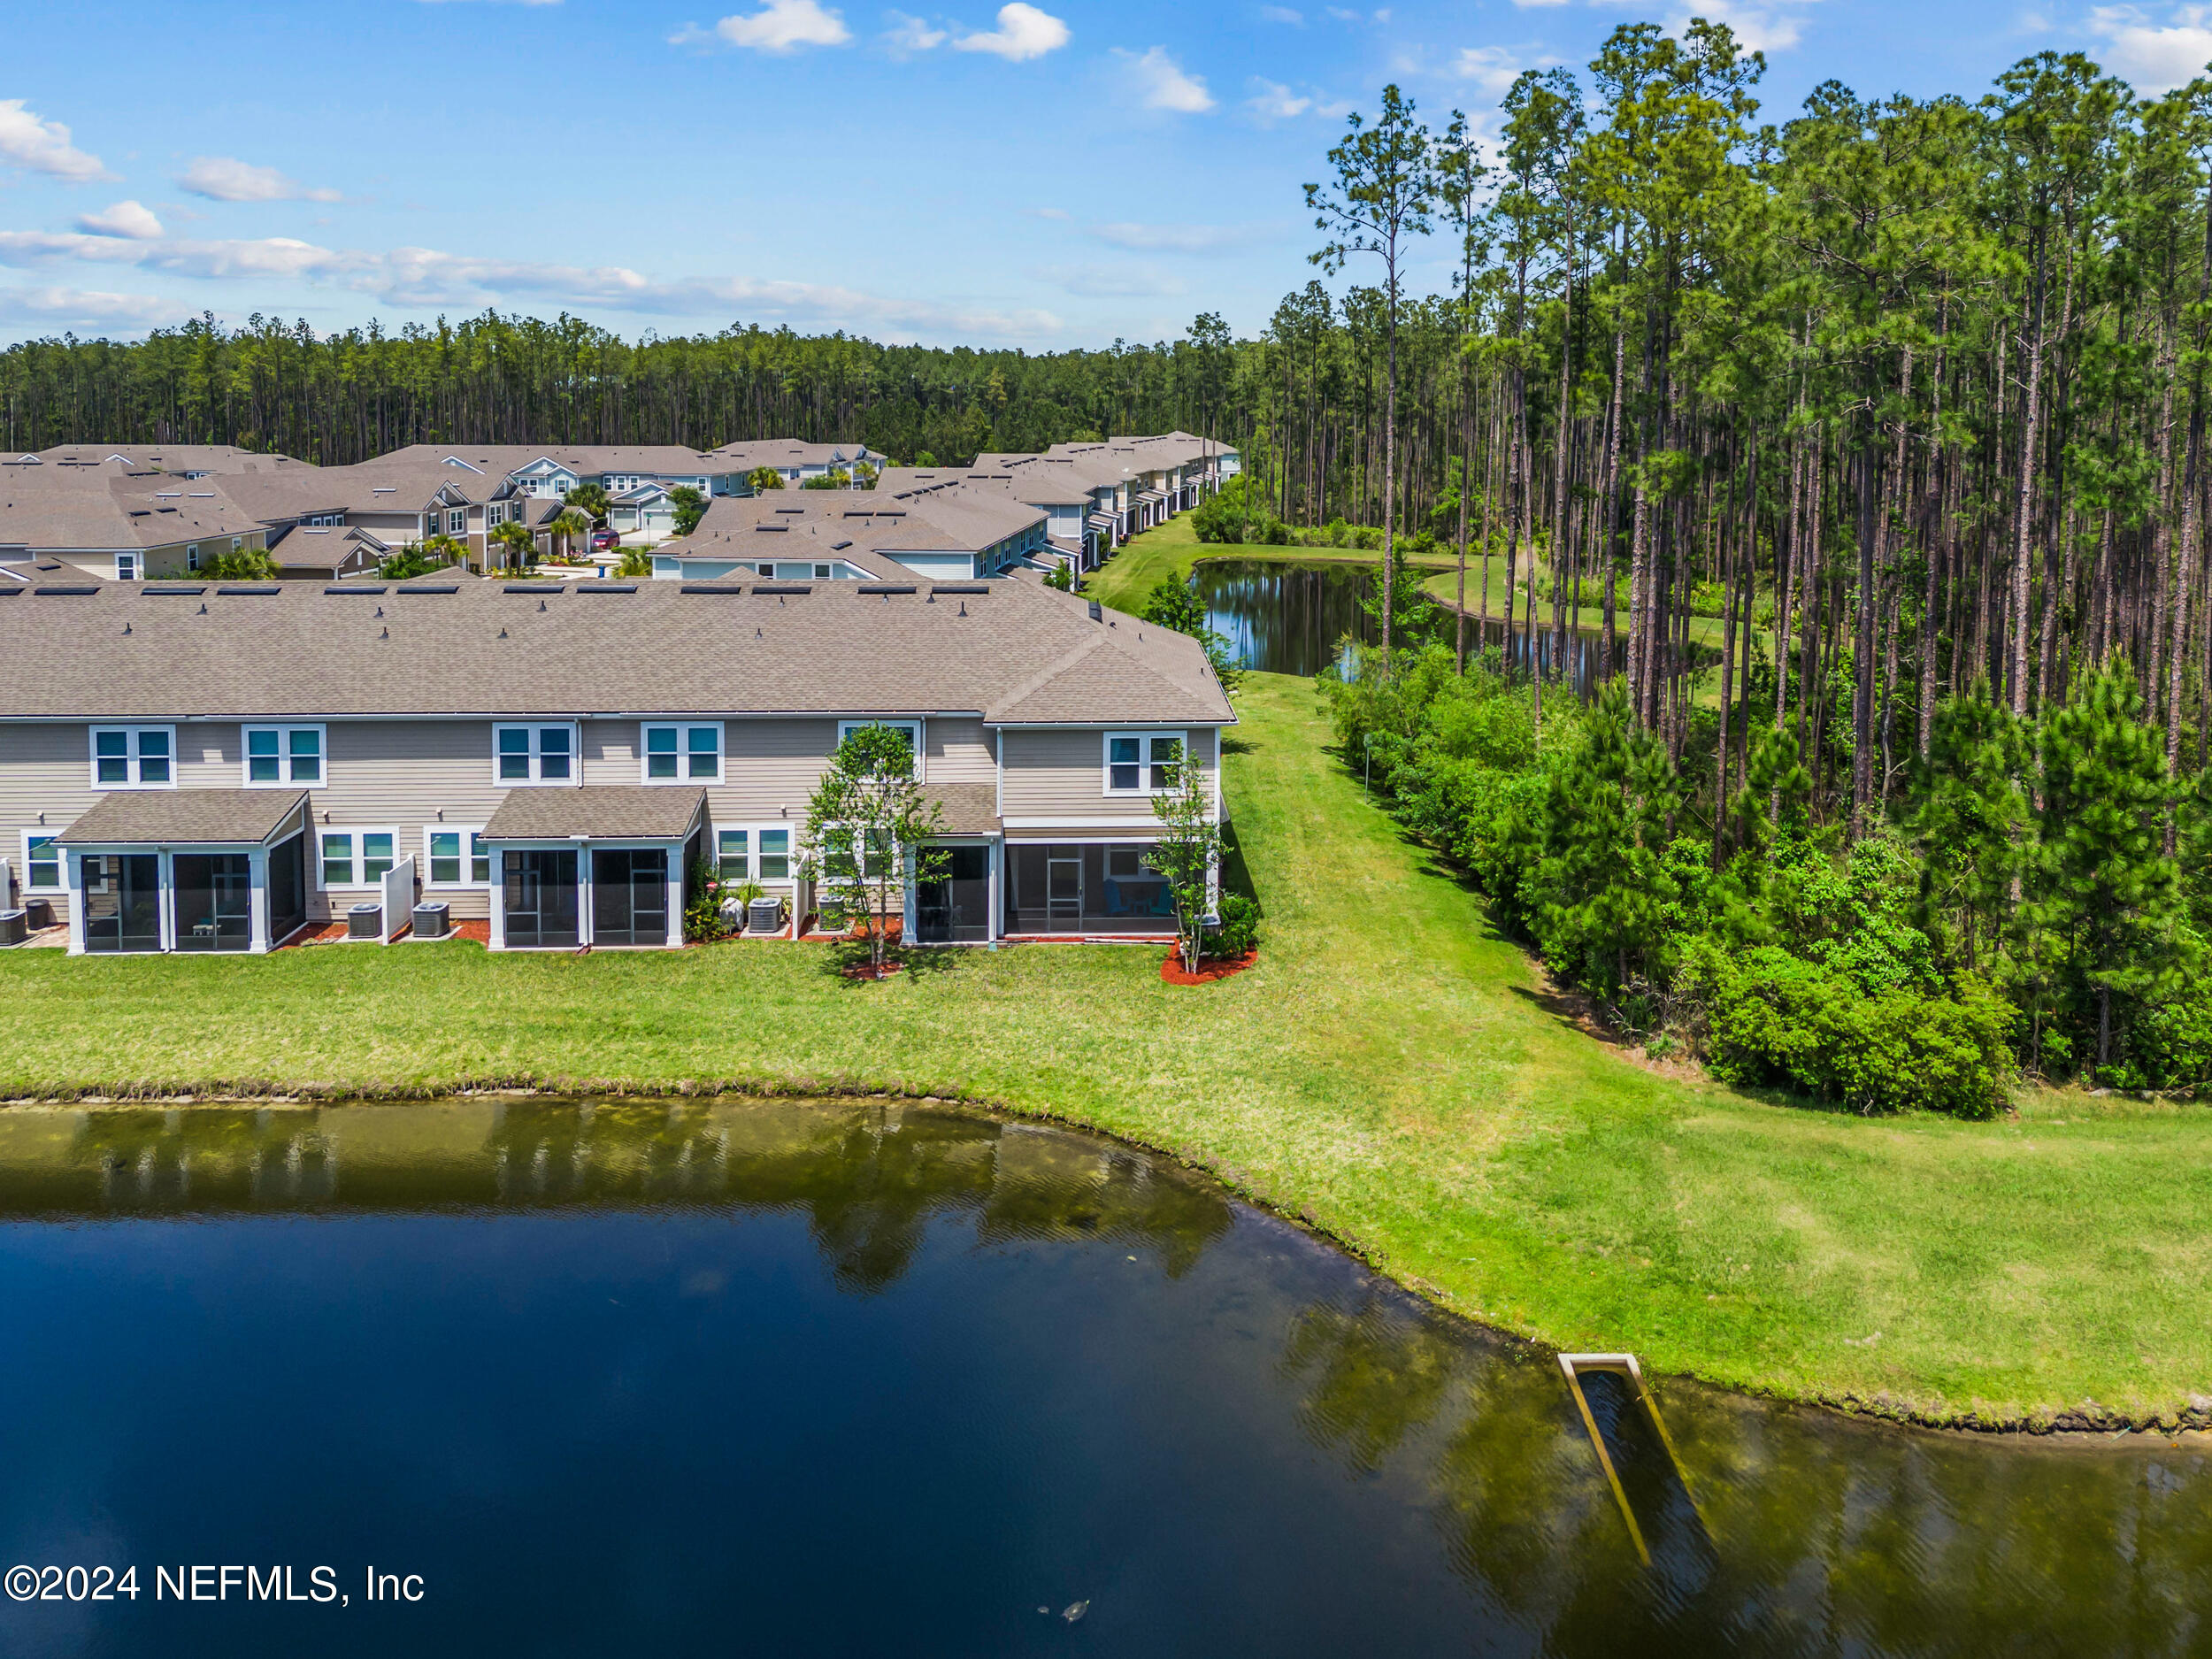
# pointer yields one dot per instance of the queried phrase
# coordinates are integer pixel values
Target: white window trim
(284, 755)
(129, 567)
(92, 741)
(1144, 762)
(467, 883)
(683, 730)
(753, 854)
(846, 728)
(535, 781)
(357, 885)
(60, 861)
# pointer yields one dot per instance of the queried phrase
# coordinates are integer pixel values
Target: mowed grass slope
(1391, 1069)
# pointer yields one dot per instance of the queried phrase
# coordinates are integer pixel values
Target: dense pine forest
(1866, 447)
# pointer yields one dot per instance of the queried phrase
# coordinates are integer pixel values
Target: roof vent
(605, 588)
(70, 593)
(1098, 613)
(353, 590)
(171, 593)
(887, 590)
(706, 588)
(249, 592)
(502, 634)
(450, 589)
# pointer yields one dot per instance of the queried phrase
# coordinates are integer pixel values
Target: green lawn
(1391, 1070)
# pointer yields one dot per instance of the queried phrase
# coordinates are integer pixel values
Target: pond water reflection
(848, 1378)
(1292, 619)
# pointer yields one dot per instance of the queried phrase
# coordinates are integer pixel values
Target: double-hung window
(134, 756)
(358, 857)
(192, 556)
(1141, 763)
(911, 730)
(734, 850)
(457, 522)
(683, 754)
(41, 864)
(283, 755)
(127, 567)
(459, 858)
(775, 855)
(534, 754)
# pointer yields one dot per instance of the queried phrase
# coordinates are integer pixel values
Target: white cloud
(911, 35)
(1047, 212)
(1182, 238)
(1161, 84)
(1092, 282)
(224, 179)
(781, 25)
(62, 306)
(1283, 15)
(1759, 27)
(1023, 33)
(1271, 102)
(1274, 102)
(2154, 57)
(1492, 68)
(425, 278)
(42, 146)
(132, 219)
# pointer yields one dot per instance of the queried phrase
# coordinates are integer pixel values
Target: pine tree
(2104, 894)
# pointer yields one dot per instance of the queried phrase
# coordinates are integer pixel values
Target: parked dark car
(601, 539)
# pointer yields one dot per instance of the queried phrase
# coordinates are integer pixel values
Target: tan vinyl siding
(43, 768)
(769, 766)
(959, 751)
(611, 748)
(1062, 774)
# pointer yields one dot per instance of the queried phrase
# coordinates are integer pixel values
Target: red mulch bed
(867, 971)
(477, 928)
(1209, 968)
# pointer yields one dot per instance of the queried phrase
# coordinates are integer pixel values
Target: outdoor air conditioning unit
(431, 920)
(765, 916)
(364, 921)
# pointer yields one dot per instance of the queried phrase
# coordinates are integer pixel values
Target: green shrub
(1777, 1020)
(1240, 929)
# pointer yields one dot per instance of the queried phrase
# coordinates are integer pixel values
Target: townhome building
(183, 460)
(1063, 502)
(795, 460)
(109, 525)
(939, 532)
(191, 765)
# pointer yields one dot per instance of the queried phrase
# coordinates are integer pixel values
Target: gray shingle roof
(968, 809)
(203, 649)
(605, 811)
(183, 817)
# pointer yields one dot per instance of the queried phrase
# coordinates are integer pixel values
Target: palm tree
(591, 501)
(568, 526)
(515, 537)
(763, 478)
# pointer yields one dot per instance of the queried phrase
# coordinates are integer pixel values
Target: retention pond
(1281, 618)
(854, 1378)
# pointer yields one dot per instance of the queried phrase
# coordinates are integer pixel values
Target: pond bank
(1390, 1072)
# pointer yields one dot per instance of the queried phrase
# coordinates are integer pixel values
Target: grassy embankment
(1391, 1070)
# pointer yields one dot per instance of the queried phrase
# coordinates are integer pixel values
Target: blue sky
(1043, 175)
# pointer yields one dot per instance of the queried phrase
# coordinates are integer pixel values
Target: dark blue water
(1287, 618)
(841, 1378)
